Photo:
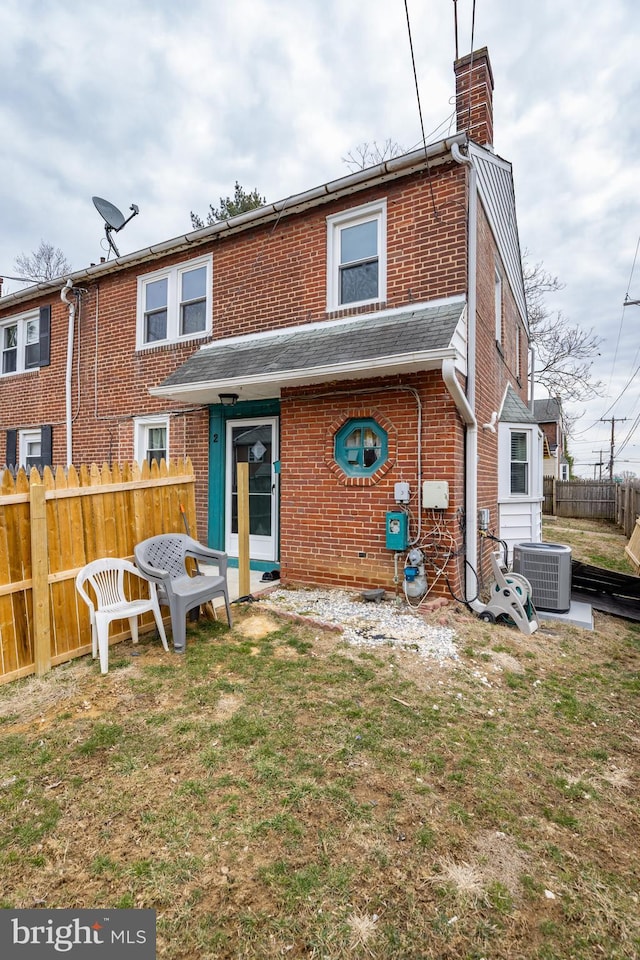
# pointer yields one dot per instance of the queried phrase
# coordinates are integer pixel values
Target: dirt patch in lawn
(277, 791)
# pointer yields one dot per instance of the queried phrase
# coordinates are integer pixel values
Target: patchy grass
(276, 792)
(597, 542)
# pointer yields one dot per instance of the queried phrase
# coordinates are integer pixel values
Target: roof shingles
(373, 337)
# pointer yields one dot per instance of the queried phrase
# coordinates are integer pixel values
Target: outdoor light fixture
(228, 399)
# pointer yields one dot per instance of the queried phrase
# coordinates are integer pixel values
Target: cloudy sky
(167, 104)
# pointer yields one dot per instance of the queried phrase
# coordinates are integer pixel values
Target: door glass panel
(252, 444)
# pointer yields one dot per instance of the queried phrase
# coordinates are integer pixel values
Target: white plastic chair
(106, 577)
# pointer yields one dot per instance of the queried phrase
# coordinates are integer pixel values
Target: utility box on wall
(396, 530)
(435, 495)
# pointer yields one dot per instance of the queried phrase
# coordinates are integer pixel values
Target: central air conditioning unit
(547, 567)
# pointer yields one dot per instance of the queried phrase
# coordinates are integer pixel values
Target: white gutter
(467, 408)
(386, 171)
(65, 293)
(356, 369)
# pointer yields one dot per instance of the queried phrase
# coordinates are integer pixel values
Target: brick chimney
(474, 86)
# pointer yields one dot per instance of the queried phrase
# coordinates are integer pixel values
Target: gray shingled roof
(514, 410)
(547, 411)
(299, 351)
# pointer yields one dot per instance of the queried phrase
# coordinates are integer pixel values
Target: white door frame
(263, 548)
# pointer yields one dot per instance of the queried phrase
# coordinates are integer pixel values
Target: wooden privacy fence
(594, 500)
(51, 526)
(628, 506)
(584, 499)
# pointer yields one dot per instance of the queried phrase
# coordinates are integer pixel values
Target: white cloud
(166, 105)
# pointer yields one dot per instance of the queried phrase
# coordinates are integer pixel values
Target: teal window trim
(353, 447)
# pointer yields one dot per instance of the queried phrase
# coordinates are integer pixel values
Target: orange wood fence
(51, 526)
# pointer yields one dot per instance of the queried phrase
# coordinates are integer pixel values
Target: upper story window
(20, 343)
(175, 304)
(357, 256)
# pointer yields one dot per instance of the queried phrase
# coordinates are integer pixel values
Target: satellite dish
(113, 218)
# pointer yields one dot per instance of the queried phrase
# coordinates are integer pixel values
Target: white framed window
(498, 303)
(520, 461)
(151, 439)
(357, 256)
(29, 448)
(519, 475)
(175, 303)
(20, 344)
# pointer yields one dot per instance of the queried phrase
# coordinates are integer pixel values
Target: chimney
(474, 96)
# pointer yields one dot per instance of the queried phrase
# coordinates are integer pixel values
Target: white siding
(495, 188)
(459, 342)
(520, 522)
(520, 516)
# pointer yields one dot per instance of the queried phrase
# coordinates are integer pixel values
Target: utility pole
(613, 435)
(598, 463)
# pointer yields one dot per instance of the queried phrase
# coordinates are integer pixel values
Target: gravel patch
(367, 624)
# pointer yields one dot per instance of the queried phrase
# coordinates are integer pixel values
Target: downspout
(466, 403)
(532, 382)
(67, 296)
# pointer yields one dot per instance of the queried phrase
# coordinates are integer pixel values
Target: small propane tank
(415, 580)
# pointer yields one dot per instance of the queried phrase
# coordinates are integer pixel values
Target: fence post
(244, 577)
(40, 579)
(554, 498)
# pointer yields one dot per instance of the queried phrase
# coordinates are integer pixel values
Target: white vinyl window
(20, 344)
(175, 304)
(520, 462)
(357, 256)
(151, 439)
(29, 448)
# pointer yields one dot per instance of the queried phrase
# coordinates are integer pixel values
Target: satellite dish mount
(113, 219)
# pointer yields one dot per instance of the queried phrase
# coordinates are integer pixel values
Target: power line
(415, 80)
(628, 437)
(613, 437)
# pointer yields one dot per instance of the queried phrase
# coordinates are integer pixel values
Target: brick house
(548, 414)
(364, 345)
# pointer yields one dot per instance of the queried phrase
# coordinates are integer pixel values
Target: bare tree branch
(565, 353)
(370, 154)
(45, 263)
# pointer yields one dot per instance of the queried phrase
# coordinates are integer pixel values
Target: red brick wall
(110, 385)
(271, 277)
(268, 277)
(496, 363)
(334, 532)
(276, 276)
